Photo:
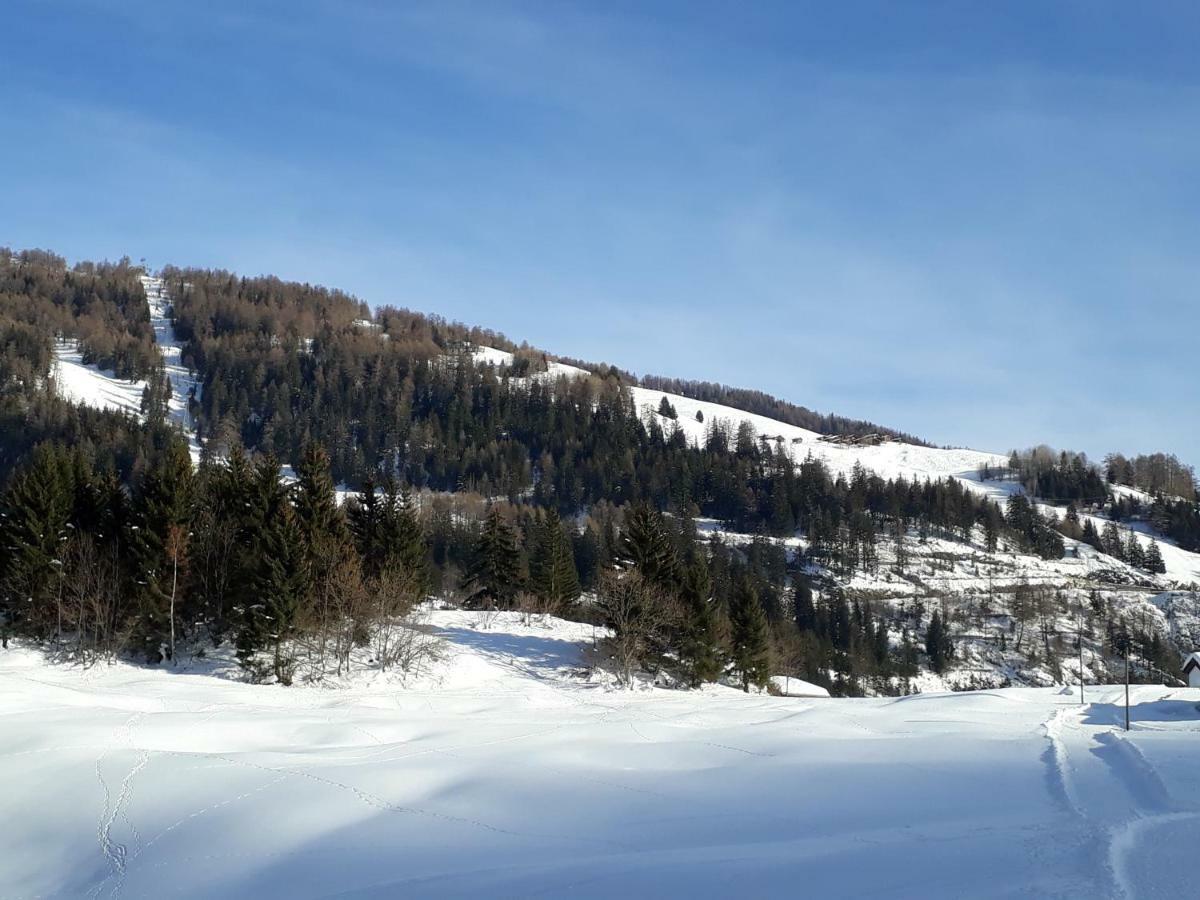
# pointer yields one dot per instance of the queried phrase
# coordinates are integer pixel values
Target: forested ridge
(492, 485)
(764, 404)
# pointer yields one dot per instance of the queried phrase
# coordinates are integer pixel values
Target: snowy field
(505, 770)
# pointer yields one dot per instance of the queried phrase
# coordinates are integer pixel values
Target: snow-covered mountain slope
(1183, 566)
(89, 385)
(490, 356)
(889, 459)
(506, 771)
(92, 386)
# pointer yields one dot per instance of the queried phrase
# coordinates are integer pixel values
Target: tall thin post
(1081, 702)
(1126, 685)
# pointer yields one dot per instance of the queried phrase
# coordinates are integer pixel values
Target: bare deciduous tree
(638, 612)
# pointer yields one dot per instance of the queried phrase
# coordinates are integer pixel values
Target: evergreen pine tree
(237, 504)
(700, 643)
(646, 544)
(495, 573)
(364, 515)
(750, 638)
(1134, 555)
(806, 611)
(937, 643)
(315, 499)
(158, 539)
(1154, 559)
(552, 571)
(401, 538)
(282, 585)
(1111, 539)
(34, 519)
(256, 605)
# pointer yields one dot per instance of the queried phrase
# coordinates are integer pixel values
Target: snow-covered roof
(796, 687)
(1191, 661)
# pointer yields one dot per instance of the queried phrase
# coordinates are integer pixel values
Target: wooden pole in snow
(1127, 684)
(1081, 653)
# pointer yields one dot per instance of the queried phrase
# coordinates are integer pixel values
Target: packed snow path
(183, 382)
(506, 773)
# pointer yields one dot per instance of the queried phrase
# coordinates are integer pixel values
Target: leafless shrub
(533, 607)
(394, 594)
(639, 614)
(91, 600)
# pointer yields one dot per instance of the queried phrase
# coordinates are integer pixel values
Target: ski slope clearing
(511, 769)
(183, 382)
(98, 388)
(89, 385)
(490, 356)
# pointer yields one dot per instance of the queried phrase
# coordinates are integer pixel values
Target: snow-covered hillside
(507, 770)
(89, 385)
(889, 459)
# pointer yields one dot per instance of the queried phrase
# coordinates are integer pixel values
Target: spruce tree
(402, 541)
(263, 504)
(1111, 540)
(158, 537)
(364, 516)
(275, 563)
(315, 499)
(34, 520)
(750, 637)
(1134, 555)
(647, 545)
(937, 644)
(805, 609)
(552, 571)
(237, 504)
(282, 585)
(1154, 559)
(494, 576)
(700, 642)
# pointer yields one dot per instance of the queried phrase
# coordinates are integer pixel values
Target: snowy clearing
(89, 385)
(508, 771)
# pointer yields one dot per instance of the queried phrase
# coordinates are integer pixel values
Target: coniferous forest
(462, 480)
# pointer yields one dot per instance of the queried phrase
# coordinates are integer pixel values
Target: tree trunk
(174, 585)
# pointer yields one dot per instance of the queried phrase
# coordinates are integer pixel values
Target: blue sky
(973, 221)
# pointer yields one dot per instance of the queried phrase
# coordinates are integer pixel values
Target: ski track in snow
(1126, 798)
